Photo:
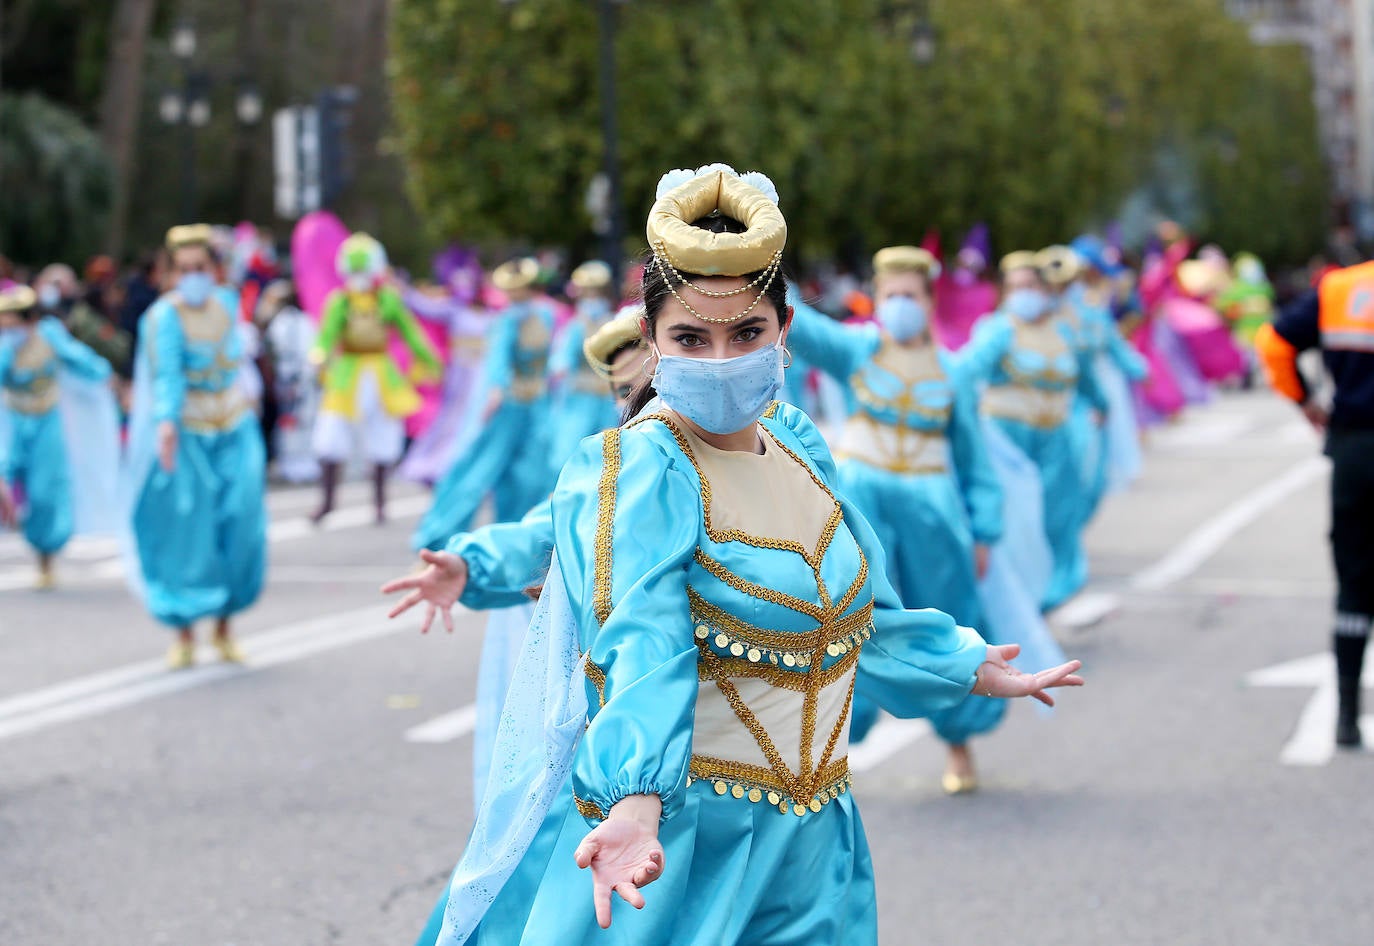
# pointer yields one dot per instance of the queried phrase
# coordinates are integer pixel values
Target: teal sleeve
(976, 361)
(836, 349)
(917, 661)
(1132, 364)
(978, 483)
(505, 558)
(500, 367)
(76, 357)
(627, 519)
(166, 350)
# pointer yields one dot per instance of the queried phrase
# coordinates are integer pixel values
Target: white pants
(383, 436)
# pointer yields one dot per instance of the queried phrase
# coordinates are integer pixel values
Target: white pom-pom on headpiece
(679, 176)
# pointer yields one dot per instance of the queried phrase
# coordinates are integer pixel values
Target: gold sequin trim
(778, 676)
(610, 470)
(758, 784)
(588, 809)
(739, 638)
(597, 676)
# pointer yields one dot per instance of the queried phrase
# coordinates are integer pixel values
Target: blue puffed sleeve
(505, 558)
(978, 482)
(918, 661)
(977, 361)
(500, 366)
(76, 357)
(836, 349)
(1131, 363)
(627, 520)
(162, 339)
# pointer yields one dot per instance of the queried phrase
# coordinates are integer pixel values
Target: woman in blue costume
(911, 458)
(193, 481)
(1028, 358)
(508, 457)
(59, 431)
(582, 405)
(727, 601)
(1117, 364)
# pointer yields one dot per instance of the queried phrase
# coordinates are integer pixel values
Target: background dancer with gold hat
(1030, 362)
(508, 455)
(193, 478)
(59, 429)
(581, 403)
(723, 594)
(365, 393)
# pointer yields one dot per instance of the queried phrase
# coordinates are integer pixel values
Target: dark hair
(656, 292)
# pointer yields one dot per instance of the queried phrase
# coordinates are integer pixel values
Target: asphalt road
(291, 802)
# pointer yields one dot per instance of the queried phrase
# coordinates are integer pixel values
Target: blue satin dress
(200, 531)
(1033, 371)
(720, 667)
(36, 459)
(1111, 454)
(583, 405)
(911, 458)
(508, 457)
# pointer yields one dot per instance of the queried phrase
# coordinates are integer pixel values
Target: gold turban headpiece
(619, 333)
(680, 248)
(905, 259)
(515, 274)
(191, 234)
(592, 276)
(17, 299)
(1020, 259)
(1058, 265)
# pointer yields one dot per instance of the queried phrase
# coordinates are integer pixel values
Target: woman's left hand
(997, 677)
(623, 853)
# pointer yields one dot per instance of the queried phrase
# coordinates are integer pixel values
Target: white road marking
(1084, 609)
(1202, 430)
(888, 737)
(102, 692)
(1206, 540)
(1313, 741)
(445, 728)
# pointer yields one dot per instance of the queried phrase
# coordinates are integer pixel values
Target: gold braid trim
(835, 733)
(610, 470)
(597, 676)
(772, 410)
(588, 809)
(741, 639)
(758, 591)
(775, 676)
(751, 722)
(757, 784)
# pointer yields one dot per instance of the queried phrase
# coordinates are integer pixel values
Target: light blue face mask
(903, 317)
(1026, 304)
(721, 395)
(195, 288)
(595, 309)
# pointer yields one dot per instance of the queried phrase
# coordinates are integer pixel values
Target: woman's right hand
(440, 586)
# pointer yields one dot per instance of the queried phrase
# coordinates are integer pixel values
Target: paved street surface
(1181, 798)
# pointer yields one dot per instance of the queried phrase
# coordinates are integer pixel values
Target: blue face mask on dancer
(1026, 304)
(594, 309)
(903, 317)
(195, 288)
(722, 395)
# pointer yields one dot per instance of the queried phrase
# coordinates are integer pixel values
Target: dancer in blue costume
(582, 404)
(727, 601)
(59, 430)
(1117, 364)
(193, 480)
(911, 458)
(1029, 359)
(508, 457)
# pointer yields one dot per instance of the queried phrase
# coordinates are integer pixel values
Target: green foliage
(55, 183)
(1040, 118)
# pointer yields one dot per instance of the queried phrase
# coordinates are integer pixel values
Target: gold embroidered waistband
(38, 398)
(212, 412)
(757, 783)
(896, 448)
(1035, 407)
(525, 389)
(779, 648)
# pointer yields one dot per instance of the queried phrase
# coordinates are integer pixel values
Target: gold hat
(515, 274)
(190, 234)
(619, 333)
(17, 299)
(592, 275)
(1020, 259)
(905, 259)
(1058, 265)
(679, 247)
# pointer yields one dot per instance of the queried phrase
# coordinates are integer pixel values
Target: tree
(119, 104)
(56, 183)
